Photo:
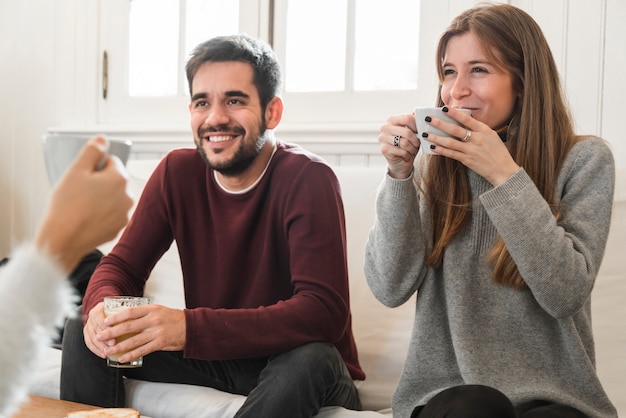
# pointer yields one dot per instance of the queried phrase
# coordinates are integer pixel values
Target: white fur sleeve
(35, 297)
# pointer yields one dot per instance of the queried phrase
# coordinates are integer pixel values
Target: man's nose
(217, 115)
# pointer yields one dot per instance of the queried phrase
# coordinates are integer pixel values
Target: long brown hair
(539, 136)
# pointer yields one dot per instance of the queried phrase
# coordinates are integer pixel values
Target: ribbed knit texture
(264, 271)
(531, 344)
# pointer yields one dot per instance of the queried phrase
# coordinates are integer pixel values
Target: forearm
(219, 334)
(110, 278)
(395, 251)
(54, 237)
(558, 258)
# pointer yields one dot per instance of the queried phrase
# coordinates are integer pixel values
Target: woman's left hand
(483, 151)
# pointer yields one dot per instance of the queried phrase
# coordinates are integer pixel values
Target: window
(159, 41)
(147, 43)
(355, 46)
(311, 32)
(344, 61)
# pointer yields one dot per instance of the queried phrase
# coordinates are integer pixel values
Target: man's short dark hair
(242, 48)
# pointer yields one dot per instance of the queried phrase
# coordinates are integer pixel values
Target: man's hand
(156, 328)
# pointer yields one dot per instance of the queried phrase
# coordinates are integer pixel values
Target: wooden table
(40, 407)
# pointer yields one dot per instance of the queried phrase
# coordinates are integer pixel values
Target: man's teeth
(220, 138)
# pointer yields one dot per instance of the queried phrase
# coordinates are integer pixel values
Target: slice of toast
(105, 413)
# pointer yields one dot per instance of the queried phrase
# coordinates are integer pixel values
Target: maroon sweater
(264, 271)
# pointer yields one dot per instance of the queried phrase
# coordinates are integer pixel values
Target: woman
(501, 234)
(88, 207)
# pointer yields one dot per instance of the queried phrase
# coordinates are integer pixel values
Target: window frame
(302, 110)
(350, 107)
(116, 107)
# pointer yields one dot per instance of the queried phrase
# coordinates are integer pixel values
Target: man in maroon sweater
(260, 229)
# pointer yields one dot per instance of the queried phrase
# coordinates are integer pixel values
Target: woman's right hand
(399, 144)
(88, 206)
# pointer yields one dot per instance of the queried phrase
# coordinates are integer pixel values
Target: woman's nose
(460, 88)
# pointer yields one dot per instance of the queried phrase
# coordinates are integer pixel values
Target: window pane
(209, 18)
(153, 48)
(155, 36)
(386, 55)
(315, 45)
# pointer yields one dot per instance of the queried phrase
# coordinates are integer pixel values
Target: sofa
(381, 333)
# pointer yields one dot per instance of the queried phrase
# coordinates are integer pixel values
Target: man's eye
(200, 103)
(234, 101)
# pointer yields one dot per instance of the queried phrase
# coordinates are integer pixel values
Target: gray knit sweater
(530, 344)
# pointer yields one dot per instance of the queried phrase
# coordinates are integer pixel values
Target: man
(260, 229)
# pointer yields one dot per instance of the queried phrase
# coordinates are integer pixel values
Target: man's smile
(219, 138)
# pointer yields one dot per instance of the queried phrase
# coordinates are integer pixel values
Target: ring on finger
(467, 136)
(396, 140)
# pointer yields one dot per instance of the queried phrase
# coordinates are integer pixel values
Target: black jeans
(292, 384)
(477, 401)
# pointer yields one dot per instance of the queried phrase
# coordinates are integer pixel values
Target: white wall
(49, 78)
(27, 92)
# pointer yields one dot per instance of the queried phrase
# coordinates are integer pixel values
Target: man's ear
(273, 112)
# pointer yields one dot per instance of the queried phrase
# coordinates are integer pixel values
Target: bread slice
(105, 413)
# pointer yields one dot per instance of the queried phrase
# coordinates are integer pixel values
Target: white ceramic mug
(422, 126)
(60, 150)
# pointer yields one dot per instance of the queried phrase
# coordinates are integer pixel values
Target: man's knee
(313, 375)
(312, 359)
(315, 354)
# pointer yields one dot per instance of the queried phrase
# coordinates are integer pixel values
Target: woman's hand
(399, 145)
(88, 207)
(483, 151)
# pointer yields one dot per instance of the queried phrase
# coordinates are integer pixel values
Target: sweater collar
(253, 185)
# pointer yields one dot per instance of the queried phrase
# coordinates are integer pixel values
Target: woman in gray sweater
(501, 234)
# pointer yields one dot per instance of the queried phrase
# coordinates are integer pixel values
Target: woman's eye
(479, 70)
(447, 71)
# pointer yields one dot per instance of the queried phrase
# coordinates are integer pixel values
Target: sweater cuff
(506, 191)
(410, 176)
(39, 281)
(397, 188)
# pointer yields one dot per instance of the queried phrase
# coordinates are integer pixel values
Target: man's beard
(243, 157)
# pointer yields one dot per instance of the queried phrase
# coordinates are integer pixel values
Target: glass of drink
(114, 304)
